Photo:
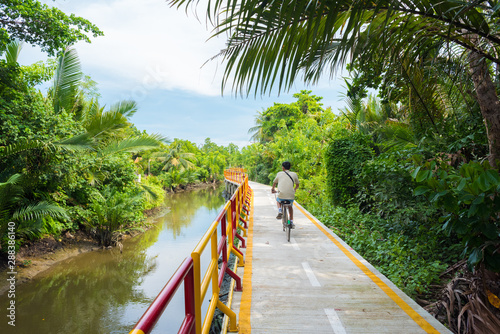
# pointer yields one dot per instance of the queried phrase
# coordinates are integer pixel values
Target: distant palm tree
(257, 131)
(175, 159)
(176, 178)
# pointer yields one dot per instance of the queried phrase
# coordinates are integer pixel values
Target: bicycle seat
(284, 201)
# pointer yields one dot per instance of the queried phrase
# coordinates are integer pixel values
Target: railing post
(190, 308)
(197, 291)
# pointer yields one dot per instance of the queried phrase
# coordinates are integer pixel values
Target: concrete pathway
(316, 283)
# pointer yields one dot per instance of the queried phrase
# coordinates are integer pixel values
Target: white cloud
(153, 54)
(148, 43)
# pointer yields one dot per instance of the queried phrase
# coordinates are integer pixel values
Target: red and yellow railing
(234, 215)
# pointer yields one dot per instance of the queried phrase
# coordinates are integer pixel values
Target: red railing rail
(234, 215)
(183, 274)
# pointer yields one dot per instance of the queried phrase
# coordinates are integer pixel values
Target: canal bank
(106, 291)
(40, 255)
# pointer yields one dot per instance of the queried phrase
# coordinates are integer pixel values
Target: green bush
(155, 193)
(470, 196)
(344, 160)
(411, 262)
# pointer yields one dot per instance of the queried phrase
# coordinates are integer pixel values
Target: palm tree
(176, 178)
(175, 159)
(257, 131)
(275, 42)
(113, 210)
(215, 162)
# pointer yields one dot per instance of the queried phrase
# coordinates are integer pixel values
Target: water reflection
(184, 207)
(107, 292)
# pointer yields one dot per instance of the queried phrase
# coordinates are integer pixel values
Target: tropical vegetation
(410, 178)
(68, 163)
(407, 176)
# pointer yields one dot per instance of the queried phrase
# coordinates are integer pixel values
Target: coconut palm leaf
(271, 43)
(104, 123)
(79, 142)
(76, 143)
(133, 145)
(66, 80)
(126, 107)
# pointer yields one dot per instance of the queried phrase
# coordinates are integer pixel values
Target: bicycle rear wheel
(288, 231)
(284, 218)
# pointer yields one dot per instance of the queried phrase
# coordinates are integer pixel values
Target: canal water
(107, 292)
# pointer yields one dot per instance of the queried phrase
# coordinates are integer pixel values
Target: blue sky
(154, 54)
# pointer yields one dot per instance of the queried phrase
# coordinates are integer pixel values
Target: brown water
(107, 292)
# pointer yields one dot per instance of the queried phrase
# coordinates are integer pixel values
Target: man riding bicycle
(288, 183)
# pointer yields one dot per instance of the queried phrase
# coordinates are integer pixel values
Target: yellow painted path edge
(398, 300)
(246, 297)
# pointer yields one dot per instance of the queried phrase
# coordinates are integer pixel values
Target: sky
(155, 54)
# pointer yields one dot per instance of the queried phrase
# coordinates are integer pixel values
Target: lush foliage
(357, 174)
(344, 160)
(62, 154)
(68, 163)
(37, 24)
(470, 198)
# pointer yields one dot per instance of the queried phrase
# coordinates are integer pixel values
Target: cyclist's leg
(280, 214)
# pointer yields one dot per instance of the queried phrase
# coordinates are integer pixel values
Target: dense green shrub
(470, 196)
(344, 160)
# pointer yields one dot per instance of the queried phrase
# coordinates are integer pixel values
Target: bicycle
(287, 226)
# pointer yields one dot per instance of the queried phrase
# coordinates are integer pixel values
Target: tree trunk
(489, 103)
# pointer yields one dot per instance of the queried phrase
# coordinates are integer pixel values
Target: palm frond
(10, 193)
(107, 122)
(149, 191)
(13, 180)
(81, 142)
(126, 107)
(272, 43)
(66, 80)
(132, 145)
(39, 210)
(23, 145)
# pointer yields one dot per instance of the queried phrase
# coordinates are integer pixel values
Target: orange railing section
(232, 217)
(236, 175)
